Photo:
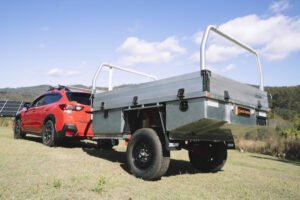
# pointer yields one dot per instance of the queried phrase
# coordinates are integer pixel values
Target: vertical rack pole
(110, 87)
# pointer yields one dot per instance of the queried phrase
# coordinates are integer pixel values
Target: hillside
(285, 101)
(22, 93)
(28, 93)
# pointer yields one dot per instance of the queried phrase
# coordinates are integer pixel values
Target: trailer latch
(135, 100)
(259, 104)
(180, 94)
(226, 95)
(183, 104)
(102, 106)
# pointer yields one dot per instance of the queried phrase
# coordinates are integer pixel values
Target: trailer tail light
(242, 111)
(127, 138)
(68, 108)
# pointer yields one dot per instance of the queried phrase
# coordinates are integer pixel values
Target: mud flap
(204, 130)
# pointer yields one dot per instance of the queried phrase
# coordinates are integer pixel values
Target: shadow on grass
(110, 155)
(278, 160)
(75, 143)
(177, 167)
(33, 138)
(67, 143)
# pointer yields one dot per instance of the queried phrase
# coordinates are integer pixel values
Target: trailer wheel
(208, 156)
(165, 164)
(49, 134)
(145, 157)
(18, 133)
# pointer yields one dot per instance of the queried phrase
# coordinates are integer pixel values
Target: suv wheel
(18, 133)
(49, 133)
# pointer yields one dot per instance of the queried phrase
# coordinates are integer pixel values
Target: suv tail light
(66, 107)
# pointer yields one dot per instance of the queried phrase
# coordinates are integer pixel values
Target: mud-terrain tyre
(49, 135)
(208, 156)
(18, 133)
(145, 156)
(107, 144)
(165, 164)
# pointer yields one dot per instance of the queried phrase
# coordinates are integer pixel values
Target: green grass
(100, 185)
(57, 183)
(30, 170)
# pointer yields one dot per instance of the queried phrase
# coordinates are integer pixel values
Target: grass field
(30, 170)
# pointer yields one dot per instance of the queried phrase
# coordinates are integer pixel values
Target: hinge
(206, 74)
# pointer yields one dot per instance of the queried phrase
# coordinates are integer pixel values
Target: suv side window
(38, 102)
(51, 98)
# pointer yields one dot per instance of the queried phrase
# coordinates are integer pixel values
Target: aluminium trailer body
(185, 111)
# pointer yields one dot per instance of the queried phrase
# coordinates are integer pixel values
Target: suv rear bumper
(69, 130)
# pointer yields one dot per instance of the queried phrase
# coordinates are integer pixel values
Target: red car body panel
(70, 123)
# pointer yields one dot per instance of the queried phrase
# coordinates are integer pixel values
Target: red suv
(57, 114)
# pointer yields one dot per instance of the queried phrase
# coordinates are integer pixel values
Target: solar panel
(10, 108)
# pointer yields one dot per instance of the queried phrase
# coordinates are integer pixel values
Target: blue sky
(64, 42)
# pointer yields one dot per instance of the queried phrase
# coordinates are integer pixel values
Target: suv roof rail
(59, 87)
(69, 88)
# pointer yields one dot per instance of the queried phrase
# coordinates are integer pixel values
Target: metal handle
(111, 67)
(246, 47)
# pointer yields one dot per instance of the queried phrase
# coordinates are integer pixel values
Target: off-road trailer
(186, 111)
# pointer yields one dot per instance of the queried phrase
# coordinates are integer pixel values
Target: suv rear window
(82, 98)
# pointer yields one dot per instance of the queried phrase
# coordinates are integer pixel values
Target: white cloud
(137, 51)
(274, 37)
(229, 67)
(83, 62)
(72, 72)
(217, 53)
(225, 69)
(279, 6)
(57, 72)
(195, 57)
(198, 37)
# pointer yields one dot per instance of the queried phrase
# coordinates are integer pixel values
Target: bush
(289, 132)
(285, 144)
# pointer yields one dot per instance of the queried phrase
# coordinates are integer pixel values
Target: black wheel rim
(48, 132)
(142, 155)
